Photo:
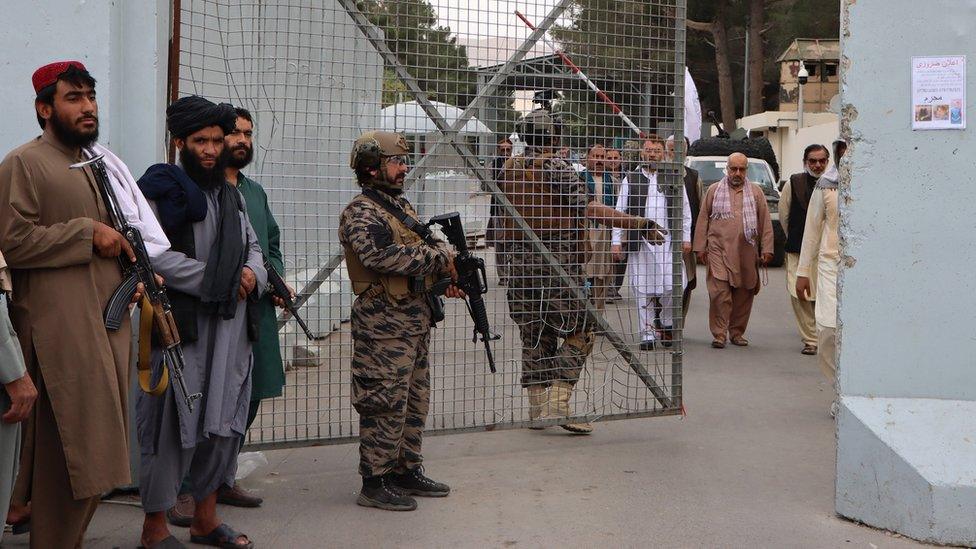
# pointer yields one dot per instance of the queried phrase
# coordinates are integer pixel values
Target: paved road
(751, 465)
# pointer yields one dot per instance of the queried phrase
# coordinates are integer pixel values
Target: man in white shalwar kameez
(651, 267)
(820, 258)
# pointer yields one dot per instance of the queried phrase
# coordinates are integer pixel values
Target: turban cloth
(191, 114)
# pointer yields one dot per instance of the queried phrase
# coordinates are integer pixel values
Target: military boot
(559, 395)
(415, 483)
(379, 492)
(538, 403)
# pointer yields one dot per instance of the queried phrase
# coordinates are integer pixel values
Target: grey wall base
(909, 465)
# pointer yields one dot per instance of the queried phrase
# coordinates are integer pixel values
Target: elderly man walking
(819, 258)
(734, 236)
(793, 203)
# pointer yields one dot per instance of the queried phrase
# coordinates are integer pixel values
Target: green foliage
(627, 48)
(786, 20)
(432, 55)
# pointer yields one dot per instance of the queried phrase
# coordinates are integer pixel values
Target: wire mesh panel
(456, 78)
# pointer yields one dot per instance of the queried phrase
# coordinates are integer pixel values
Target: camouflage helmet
(539, 128)
(370, 148)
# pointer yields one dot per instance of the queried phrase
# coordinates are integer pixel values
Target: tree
(433, 56)
(431, 53)
(757, 57)
(772, 25)
(627, 49)
(718, 29)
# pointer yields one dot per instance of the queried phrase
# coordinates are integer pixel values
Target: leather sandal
(739, 341)
(224, 537)
(809, 350)
(718, 344)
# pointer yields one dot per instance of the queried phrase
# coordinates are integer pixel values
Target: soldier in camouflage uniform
(553, 201)
(390, 267)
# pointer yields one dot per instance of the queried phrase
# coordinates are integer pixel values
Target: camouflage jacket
(363, 226)
(552, 200)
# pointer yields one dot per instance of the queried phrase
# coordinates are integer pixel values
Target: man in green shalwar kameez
(268, 374)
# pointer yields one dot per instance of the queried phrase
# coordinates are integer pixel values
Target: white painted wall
(123, 45)
(823, 134)
(907, 309)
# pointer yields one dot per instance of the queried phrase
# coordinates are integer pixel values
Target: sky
(492, 32)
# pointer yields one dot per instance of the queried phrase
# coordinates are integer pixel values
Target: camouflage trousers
(391, 392)
(556, 337)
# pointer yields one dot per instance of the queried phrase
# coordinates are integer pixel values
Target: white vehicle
(712, 169)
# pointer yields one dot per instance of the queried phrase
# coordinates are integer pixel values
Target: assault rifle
(278, 288)
(155, 304)
(472, 279)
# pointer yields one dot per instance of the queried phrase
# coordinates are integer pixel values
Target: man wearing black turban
(213, 271)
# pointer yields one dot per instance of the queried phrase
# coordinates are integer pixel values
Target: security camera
(803, 75)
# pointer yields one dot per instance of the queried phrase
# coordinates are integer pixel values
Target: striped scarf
(722, 207)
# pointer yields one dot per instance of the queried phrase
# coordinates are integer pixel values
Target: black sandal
(224, 537)
(168, 542)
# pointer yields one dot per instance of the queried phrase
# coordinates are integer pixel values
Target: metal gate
(455, 77)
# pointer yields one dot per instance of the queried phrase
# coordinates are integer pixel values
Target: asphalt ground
(751, 465)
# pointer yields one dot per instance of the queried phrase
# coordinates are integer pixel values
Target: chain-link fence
(455, 77)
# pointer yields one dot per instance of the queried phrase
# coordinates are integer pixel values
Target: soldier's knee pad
(582, 342)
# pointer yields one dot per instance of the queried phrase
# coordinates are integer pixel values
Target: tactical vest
(369, 283)
(545, 211)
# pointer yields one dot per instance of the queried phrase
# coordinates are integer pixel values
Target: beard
(206, 178)
(70, 136)
(239, 162)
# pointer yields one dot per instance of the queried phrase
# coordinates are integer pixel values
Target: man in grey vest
(643, 194)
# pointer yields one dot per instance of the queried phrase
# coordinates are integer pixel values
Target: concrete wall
(124, 46)
(906, 452)
(907, 220)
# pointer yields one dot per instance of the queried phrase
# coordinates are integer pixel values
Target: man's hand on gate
(22, 395)
(110, 243)
(686, 247)
(651, 233)
(803, 288)
(618, 252)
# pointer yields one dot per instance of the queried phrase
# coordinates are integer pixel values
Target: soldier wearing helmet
(556, 333)
(390, 267)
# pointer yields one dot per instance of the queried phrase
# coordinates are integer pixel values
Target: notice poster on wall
(939, 93)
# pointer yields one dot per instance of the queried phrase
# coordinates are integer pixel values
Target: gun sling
(143, 364)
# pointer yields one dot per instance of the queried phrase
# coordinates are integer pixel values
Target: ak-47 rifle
(155, 306)
(278, 288)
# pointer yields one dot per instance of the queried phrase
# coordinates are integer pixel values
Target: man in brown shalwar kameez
(733, 237)
(55, 236)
